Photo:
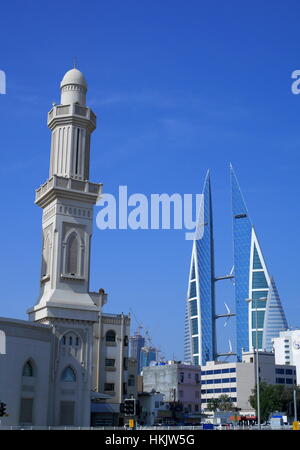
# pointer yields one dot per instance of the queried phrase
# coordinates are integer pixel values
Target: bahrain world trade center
(258, 310)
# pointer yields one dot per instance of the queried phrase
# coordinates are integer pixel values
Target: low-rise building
(151, 404)
(238, 379)
(287, 349)
(178, 382)
(110, 366)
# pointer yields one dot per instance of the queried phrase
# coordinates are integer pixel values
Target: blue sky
(178, 87)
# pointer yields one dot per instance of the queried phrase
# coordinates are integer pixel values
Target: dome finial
(73, 87)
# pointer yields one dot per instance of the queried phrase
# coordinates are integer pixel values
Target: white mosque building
(50, 364)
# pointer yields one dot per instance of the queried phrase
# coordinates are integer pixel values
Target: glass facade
(242, 230)
(263, 314)
(200, 311)
(275, 320)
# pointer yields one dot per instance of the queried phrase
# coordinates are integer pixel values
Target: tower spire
(67, 200)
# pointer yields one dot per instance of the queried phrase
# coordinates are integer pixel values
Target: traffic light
(2, 409)
(129, 407)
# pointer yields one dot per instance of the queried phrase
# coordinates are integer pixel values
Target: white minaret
(67, 200)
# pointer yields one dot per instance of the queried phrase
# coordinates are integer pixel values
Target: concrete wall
(177, 382)
(25, 341)
(245, 375)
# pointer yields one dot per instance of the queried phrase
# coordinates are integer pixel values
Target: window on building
(279, 371)
(110, 362)
(197, 378)
(110, 336)
(196, 408)
(194, 325)
(181, 377)
(256, 260)
(280, 380)
(289, 371)
(67, 413)
(193, 289)
(131, 380)
(68, 375)
(256, 296)
(126, 341)
(72, 254)
(46, 257)
(193, 308)
(28, 369)
(195, 345)
(259, 280)
(289, 380)
(26, 411)
(109, 386)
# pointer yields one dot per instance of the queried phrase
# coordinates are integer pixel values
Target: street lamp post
(256, 362)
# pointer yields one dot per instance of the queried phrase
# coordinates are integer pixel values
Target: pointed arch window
(28, 369)
(68, 375)
(72, 259)
(110, 336)
(46, 257)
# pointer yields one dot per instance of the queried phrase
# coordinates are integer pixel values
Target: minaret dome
(73, 88)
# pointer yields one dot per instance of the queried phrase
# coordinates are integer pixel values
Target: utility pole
(295, 405)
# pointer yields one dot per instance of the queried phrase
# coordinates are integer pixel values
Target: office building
(259, 313)
(136, 343)
(148, 355)
(287, 349)
(238, 379)
(200, 332)
(252, 281)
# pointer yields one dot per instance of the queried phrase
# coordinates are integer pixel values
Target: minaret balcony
(67, 187)
(63, 113)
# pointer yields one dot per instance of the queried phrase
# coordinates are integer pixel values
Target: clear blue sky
(178, 87)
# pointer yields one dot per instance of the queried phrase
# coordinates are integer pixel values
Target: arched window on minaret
(72, 256)
(46, 257)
